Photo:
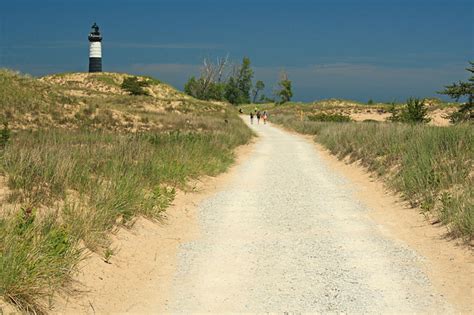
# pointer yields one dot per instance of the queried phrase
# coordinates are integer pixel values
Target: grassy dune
(77, 165)
(431, 166)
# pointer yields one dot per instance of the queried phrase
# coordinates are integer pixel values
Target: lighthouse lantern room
(95, 50)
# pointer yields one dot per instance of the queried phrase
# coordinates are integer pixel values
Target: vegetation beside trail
(431, 166)
(329, 109)
(79, 157)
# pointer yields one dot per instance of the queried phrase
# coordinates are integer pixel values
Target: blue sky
(385, 49)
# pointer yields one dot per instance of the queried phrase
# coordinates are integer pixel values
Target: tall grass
(82, 159)
(431, 166)
(35, 256)
(75, 186)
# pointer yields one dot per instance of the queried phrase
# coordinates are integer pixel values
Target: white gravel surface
(287, 235)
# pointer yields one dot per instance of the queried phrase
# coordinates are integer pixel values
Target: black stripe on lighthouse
(95, 64)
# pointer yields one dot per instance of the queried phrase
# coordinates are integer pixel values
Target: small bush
(415, 111)
(4, 135)
(135, 87)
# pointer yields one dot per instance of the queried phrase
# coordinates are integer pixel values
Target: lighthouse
(95, 50)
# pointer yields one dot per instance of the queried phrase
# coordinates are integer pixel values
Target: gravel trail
(287, 235)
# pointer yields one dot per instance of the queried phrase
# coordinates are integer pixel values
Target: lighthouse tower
(95, 50)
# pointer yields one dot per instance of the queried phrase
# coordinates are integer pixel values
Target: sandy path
(288, 228)
(287, 234)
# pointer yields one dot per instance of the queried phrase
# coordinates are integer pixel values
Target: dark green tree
(244, 80)
(285, 93)
(462, 89)
(259, 86)
(414, 112)
(192, 87)
(210, 84)
(216, 91)
(198, 88)
(232, 92)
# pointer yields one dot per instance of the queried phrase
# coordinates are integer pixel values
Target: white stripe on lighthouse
(95, 50)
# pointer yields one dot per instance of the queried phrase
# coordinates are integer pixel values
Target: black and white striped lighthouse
(95, 50)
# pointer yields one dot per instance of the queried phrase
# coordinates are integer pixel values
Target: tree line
(221, 81)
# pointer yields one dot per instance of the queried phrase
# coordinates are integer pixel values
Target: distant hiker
(265, 117)
(251, 118)
(258, 117)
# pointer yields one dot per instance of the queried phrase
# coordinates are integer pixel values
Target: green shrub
(4, 135)
(203, 90)
(414, 111)
(134, 86)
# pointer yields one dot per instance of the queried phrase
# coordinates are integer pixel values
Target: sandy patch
(440, 117)
(4, 190)
(6, 308)
(370, 116)
(449, 263)
(141, 270)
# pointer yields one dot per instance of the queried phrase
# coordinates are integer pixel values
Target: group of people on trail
(259, 116)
